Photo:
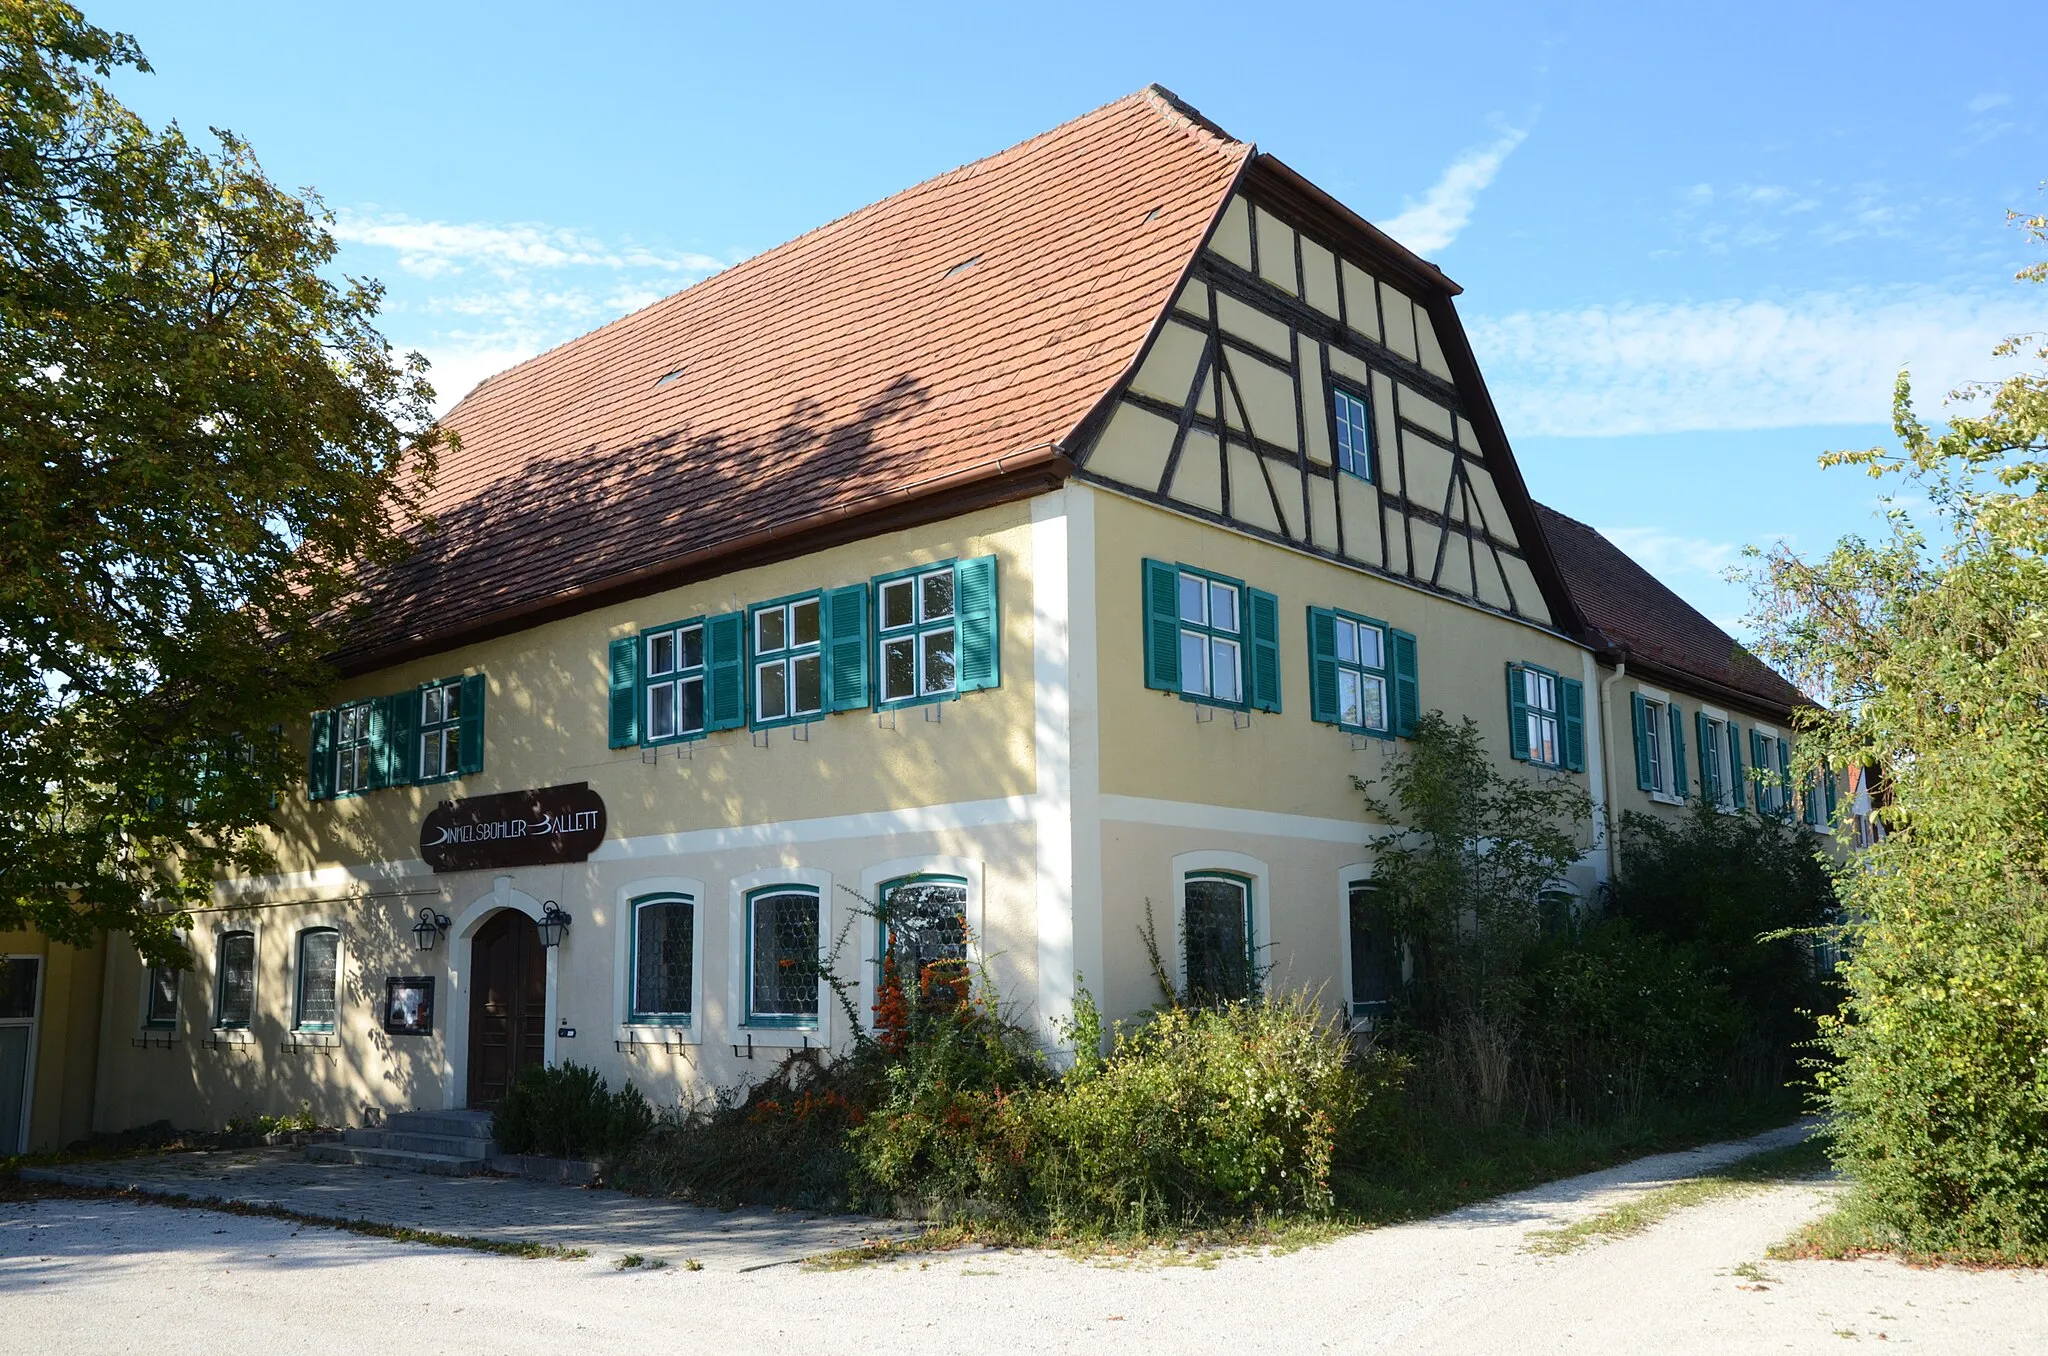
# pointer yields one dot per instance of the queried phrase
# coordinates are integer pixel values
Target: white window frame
(353, 717)
(217, 987)
(1657, 723)
(778, 1037)
(1542, 718)
(627, 1030)
(673, 680)
(1776, 795)
(444, 735)
(1729, 798)
(142, 1022)
(1356, 873)
(789, 654)
(1206, 862)
(1213, 637)
(1365, 675)
(916, 632)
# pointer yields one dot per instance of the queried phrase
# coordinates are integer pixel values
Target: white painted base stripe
(1182, 814)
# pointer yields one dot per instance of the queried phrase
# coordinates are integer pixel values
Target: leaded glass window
(664, 959)
(927, 922)
(319, 960)
(160, 1005)
(236, 1004)
(1216, 938)
(1373, 953)
(782, 970)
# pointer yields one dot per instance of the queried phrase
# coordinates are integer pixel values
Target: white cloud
(1667, 553)
(1821, 358)
(1984, 103)
(1434, 222)
(435, 248)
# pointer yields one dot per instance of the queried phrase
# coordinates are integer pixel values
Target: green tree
(202, 439)
(1931, 653)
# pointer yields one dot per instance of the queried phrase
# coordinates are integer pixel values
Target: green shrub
(569, 1111)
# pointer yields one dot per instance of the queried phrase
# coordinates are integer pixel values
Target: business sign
(515, 828)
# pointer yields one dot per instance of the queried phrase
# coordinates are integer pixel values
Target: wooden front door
(508, 1004)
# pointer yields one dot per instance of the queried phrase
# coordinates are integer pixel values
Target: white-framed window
(663, 986)
(1536, 711)
(1211, 637)
(315, 1004)
(1657, 721)
(925, 923)
(1771, 758)
(675, 682)
(917, 635)
(1660, 745)
(1219, 949)
(783, 955)
(1348, 412)
(789, 673)
(441, 730)
(354, 755)
(234, 1005)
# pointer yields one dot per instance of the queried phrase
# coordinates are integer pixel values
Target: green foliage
(202, 439)
(1934, 662)
(569, 1111)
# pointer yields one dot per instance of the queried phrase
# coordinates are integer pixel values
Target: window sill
(905, 703)
(779, 1037)
(1666, 798)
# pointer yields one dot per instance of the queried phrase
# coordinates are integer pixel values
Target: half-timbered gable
(1311, 384)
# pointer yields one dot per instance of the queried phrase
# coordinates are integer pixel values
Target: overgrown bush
(569, 1111)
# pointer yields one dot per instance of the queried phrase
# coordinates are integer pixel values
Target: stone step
(454, 1124)
(452, 1146)
(398, 1160)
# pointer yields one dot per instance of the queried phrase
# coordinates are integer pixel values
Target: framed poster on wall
(409, 1006)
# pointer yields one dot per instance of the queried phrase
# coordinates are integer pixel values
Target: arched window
(1217, 945)
(664, 960)
(782, 956)
(1375, 959)
(235, 991)
(314, 1006)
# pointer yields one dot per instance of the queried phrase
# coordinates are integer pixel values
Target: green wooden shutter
(1518, 715)
(1827, 776)
(1265, 630)
(979, 606)
(725, 669)
(403, 747)
(472, 736)
(1162, 626)
(1758, 761)
(1639, 713)
(320, 758)
(1785, 777)
(624, 665)
(1741, 789)
(1679, 780)
(1571, 698)
(377, 726)
(1705, 730)
(1322, 666)
(845, 612)
(1407, 684)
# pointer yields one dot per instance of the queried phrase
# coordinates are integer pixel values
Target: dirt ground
(104, 1276)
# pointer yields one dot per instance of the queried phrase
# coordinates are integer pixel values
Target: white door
(20, 978)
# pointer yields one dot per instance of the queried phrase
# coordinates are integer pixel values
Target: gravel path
(102, 1276)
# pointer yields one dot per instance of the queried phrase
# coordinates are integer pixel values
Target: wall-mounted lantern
(430, 929)
(554, 923)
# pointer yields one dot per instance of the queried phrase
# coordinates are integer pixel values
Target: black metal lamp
(554, 923)
(430, 929)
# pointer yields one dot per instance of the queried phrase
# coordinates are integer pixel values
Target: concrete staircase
(445, 1143)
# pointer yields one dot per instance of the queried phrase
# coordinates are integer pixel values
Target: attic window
(1152, 215)
(669, 377)
(961, 267)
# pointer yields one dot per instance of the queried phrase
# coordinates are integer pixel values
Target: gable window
(1546, 718)
(782, 956)
(1217, 947)
(1373, 952)
(675, 682)
(313, 1006)
(441, 730)
(1362, 674)
(235, 992)
(664, 960)
(789, 666)
(160, 999)
(1348, 411)
(1660, 746)
(1210, 638)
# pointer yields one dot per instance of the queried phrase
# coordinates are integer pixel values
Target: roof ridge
(1163, 101)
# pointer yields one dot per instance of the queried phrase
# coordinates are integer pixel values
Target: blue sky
(1696, 248)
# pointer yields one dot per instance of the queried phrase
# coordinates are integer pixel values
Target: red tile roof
(1634, 616)
(947, 337)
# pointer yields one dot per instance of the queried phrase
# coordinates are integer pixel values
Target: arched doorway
(508, 1002)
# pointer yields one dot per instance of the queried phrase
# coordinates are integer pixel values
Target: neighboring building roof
(1633, 616)
(918, 356)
